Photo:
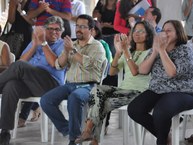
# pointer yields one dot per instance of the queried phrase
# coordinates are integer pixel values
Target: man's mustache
(79, 32)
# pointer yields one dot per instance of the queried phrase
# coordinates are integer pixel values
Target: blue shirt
(158, 29)
(39, 60)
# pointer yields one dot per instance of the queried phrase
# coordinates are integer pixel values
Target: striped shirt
(93, 57)
(58, 5)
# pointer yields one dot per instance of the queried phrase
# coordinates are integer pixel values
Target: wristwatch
(73, 51)
(23, 13)
(44, 43)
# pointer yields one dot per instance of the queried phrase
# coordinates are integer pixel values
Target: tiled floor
(30, 135)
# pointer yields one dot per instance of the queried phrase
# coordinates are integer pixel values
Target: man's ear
(155, 17)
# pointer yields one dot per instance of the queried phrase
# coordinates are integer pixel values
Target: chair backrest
(12, 56)
(120, 76)
(104, 70)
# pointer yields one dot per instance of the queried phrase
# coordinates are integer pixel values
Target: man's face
(82, 29)
(148, 15)
(53, 32)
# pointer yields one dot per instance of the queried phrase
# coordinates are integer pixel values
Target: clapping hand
(131, 21)
(160, 42)
(39, 36)
(43, 6)
(125, 42)
(68, 45)
(117, 44)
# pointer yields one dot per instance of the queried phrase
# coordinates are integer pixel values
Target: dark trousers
(21, 80)
(27, 106)
(164, 106)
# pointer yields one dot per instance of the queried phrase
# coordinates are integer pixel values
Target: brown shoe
(21, 123)
(93, 142)
(85, 136)
(36, 115)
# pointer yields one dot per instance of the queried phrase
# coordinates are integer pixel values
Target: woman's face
(139, 34)
(170, 33)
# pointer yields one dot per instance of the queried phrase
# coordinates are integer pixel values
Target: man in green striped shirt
(84, 59)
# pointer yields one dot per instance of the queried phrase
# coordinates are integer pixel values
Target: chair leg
(120, 122)
(184, 123)
(175, 130)
(44, 127)
(16, 119)
(53, 134)
(137, 133)
(126, 121)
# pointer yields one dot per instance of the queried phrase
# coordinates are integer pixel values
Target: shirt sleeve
(81, 9)
(66, 6)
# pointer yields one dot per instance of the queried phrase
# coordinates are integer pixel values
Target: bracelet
(57, 65)
(128, 59)
(114, 66)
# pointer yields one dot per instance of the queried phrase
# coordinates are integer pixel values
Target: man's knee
(11, 86)
(44, 101)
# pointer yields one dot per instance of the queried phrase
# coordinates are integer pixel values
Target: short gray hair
(54, 20)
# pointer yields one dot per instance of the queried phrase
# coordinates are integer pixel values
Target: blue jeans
(77, 95)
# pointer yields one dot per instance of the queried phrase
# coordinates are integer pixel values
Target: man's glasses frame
(81, 26)
(54, 29)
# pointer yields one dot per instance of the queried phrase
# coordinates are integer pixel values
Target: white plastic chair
(43, 122)
(126, 123)
(176, 124)
(63, 106)
(12, 56)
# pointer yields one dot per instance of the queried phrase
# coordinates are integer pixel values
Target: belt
(92, 82)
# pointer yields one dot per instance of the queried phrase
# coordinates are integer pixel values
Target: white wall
(170, 9)
(90, 4)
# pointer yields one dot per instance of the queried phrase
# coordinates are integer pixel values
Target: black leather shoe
(5, 138)
(72, 142)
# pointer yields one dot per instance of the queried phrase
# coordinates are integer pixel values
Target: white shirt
(77, 9)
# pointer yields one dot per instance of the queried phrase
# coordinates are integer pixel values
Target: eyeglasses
(81, 27)
(53, 29)
(141, 31)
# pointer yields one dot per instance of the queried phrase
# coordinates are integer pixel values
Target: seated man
(84, 58)
(153, 16)
(33, 75)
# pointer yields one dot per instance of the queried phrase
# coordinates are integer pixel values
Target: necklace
(136, 55)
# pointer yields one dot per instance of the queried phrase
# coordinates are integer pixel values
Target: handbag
(13, 39)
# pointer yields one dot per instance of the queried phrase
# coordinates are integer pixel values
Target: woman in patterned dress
(170, 89)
